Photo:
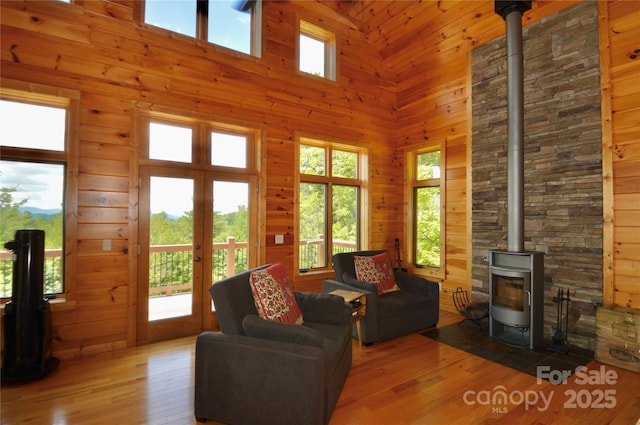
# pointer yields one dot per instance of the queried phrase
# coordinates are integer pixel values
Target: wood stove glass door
(510, 296)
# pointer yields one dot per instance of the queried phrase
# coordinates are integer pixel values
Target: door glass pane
(312, 225)
(169, 142)
(228, 150)
(171, 247)
(345, 218)
(230, 229)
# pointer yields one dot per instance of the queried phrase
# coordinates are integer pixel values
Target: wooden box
(618, 337)
(618, 323)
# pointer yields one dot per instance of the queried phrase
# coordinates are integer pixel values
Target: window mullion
(329, 222)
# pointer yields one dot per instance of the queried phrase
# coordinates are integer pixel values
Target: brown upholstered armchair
(413, 307)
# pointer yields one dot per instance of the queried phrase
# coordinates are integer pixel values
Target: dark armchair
(414, 306)
(258, 371)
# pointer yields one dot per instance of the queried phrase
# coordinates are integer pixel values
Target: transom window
(330, 192)
(428, 209)
(33, 180)
(179, 142)
(235, 24)
(317, 51)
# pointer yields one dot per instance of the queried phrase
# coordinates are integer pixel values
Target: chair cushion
(286, 332)
(399, 303)
(273, 296)
(376, 269)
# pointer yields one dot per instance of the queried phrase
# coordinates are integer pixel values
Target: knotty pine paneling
(401, 84)
(97, 49)
(623, 97)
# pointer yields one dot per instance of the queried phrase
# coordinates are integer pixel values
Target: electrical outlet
(106, 244)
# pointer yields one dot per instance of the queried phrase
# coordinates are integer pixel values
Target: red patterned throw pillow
(273, 296)
(376, 269)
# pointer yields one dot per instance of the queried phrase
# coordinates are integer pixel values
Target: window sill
(57, 304)
(430, 273)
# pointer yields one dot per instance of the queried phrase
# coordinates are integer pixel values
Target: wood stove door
(510, 296)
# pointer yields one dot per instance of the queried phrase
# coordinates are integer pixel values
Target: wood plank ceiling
(397, 29)
(394, 28)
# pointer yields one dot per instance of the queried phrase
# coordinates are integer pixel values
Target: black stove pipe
(511, 12)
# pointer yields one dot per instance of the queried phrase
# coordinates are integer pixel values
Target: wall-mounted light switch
(279, 239)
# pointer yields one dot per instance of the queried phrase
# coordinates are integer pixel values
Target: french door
(195, 232)
(197, 219)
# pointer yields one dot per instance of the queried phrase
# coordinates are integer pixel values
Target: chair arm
(417, 284)
(256, 327)
(370, 323)
(239, 379)
(323, 308)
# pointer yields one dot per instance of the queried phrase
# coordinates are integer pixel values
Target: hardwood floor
(408, 380)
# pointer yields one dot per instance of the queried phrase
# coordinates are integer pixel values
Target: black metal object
(476, 311)
(398, 260)
(27, 317)
(559, 342)
(504, 7)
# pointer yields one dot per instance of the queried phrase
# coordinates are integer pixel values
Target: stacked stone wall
(563, 161)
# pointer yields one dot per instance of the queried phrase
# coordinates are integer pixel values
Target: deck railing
(312, 251)
(170, 266)
(52, 272)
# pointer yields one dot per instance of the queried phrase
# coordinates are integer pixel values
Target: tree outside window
(427, 202)
(32, 184)
(329, 203)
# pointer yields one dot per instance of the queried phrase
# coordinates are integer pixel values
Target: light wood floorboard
(408, 380)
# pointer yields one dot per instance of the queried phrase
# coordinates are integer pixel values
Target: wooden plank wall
(96, 48)
(399, 86)
(620, 63)
(434, 106)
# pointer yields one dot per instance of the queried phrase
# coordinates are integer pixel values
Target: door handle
(197, 259)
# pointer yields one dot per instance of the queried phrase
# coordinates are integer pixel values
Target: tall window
(428, 209)
(33, 179)
(317, 51)
(329, 202)
(235, 24)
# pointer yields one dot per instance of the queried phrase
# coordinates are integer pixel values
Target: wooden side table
(358, 302)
